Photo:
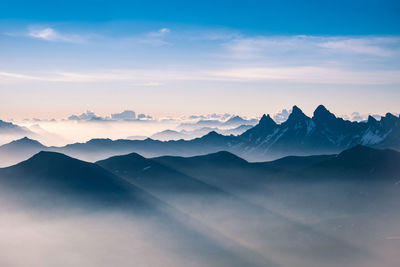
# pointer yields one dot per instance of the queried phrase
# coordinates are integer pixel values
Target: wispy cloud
(157, 77)
(50, 34)
(240, 46)
(225, 56)
(269, 46)
(369, 46)
(160, 32)
(155, 38)
(308, 74)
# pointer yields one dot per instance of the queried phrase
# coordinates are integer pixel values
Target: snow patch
(371, 138)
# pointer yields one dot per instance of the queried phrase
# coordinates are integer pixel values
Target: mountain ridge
(323, 133)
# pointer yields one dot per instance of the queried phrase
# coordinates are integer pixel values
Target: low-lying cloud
(126, 115)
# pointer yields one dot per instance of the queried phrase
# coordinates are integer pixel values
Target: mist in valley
(288, 224)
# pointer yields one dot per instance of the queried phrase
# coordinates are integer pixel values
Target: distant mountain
(196, 133)
(169, 135)
(137, 137)
(234, 121)
(23, 143)
(9, 128)
(19, 150)
(323, 133)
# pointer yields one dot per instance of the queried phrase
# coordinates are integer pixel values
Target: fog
(277, 225)
(60, 133)
(106, 239)
(302, 227)
(81, 240)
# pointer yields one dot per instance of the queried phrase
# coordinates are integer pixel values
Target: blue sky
(277, 17)
(185, 57)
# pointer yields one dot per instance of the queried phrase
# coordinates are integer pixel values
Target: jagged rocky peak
(372, 120)
(266, 120)
(297, 114)
(390, 120)
(322, 114)
(390, 116)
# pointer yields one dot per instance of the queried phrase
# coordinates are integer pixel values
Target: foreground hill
(53, 184)
(150, 174)
(359, 161)
(221, 210)
(297, 207)
(223, 170)
(56, 178)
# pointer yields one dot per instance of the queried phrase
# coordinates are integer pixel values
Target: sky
(176, 58)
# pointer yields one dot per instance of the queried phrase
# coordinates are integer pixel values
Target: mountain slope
(154, 176)
(360, 162)
(19, 150)
(50, 177)
(324, 133)
(225, 169)
(53, 183)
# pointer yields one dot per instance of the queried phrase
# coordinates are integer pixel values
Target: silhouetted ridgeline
(324, 133)
(219, 209)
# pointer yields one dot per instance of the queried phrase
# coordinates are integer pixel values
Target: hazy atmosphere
(200, 133)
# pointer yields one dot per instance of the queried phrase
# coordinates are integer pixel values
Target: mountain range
(167, 135)
(323, 133)
(121, 177)
(234, 121)
(226, 210)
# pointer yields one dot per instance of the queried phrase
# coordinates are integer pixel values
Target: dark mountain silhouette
(223, 168)
(328, 184)
(324, 133)
(264, 128)
(360, 162)
(52, 178)
(53, 183)
(152, 175)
